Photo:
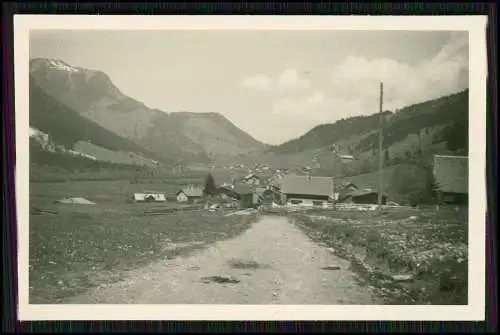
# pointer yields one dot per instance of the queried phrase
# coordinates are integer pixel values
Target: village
(410, 254)
(404, 239)
(269, 188)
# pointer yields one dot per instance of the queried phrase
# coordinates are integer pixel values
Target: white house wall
(306, 203)
(156, 196)
(181, 197)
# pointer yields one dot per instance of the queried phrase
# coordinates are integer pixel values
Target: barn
(451, 175)
(307, 190)
(344, 189)
(189, 195)
(241, 192)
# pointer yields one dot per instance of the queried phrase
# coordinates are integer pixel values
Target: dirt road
(274, 262)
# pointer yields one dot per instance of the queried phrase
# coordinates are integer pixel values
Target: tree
(456, 135)
(414, 183)
(408, 184)
(210, 188)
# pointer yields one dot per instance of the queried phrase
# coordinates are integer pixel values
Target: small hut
(149, 196)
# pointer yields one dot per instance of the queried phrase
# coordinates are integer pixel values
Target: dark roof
(346, 189)
(344, 185)
(359, 193)
(294, 184)
(451, 173)
(238, 189)
(243, 189)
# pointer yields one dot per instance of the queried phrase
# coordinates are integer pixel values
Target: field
(408, 256)
(81, 246)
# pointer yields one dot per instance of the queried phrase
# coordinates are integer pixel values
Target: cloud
(258, 83)
(404, 84)
(289, 80)
(314, 108)
(355, 84)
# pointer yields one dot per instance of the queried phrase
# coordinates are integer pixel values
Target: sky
(275, 85)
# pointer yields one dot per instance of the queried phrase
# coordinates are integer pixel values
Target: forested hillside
(66, 127)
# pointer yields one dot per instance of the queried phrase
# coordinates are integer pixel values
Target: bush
(413, 184)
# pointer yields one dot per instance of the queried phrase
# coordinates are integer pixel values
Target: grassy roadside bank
(409, 256)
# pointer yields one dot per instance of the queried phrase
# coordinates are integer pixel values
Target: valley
(81, 111)
(88, 139)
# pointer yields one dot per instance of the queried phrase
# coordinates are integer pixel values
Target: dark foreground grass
(428, 247)
(88, 245)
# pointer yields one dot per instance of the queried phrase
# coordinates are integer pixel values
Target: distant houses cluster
(313, 191)
(293, 190)
(44, 141)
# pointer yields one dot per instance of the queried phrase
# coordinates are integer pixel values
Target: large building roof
(305, 185)
(192, 191)
(451, 173)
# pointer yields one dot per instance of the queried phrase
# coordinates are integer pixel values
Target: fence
(330, 209)
(174, 210)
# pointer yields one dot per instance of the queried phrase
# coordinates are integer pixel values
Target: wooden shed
(451, 175)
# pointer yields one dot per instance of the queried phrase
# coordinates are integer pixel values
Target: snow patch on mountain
(58, 65)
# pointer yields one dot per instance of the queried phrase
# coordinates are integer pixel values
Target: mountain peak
(187, 135)
(56, 64)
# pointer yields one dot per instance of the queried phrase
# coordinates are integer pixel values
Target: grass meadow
(75, 247)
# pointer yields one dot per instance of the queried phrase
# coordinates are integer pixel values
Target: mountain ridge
(66, 127)
(423, 129)
(182, 136)
(185, 137)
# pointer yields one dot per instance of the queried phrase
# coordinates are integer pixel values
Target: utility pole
(380, 142)
(334, 150)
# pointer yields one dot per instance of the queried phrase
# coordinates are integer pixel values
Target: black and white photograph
(263, 169)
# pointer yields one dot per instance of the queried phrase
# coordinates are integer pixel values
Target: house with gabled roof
(149, 196)
(350, 193)
(363, 196)
(190, 194)
(306, 190)
(240, 192)
(451, 176)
